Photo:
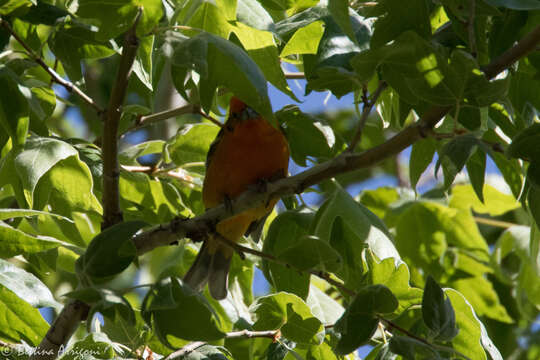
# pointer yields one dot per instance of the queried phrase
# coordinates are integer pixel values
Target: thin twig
(247, 334)
(470, 28)
(240, 250)
(61, 330)
(164, 115)
(366, 110)
(208, 117)
(189, 348)
(111, 172)
(493, 222)
(69, 86)
(271, 334)
(177, 173)
(295, 75)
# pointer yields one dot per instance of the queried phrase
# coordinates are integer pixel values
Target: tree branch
(69, 86)
(178, 174)
(111, 172)
(295, 75)
(61, 330)
(247, 334)
(164, 115)
(196, 227)
(74, 312)
(366, 110)
(470, 28)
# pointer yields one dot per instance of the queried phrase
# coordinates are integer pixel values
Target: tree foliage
(443, 265)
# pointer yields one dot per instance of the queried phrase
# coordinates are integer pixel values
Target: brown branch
(164, 115)
(111, 172)
(189, 348)
(240, 249)
(246, 334)
(366, 110)
(295, 75)
(166, 234)
(494, 222)
(470, 28)
(69, 86)
(74, 312)
(516, 52)
(61, 330)
(178, 174)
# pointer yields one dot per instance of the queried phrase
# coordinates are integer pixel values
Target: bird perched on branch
(247, 151)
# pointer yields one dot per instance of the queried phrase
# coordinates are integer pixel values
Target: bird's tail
(210, 266)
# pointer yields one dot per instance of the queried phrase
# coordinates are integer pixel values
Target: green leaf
(114, 307)
(44, 13)
(359, 322)
(312, 253)
(13, 108)
(19, 320)
(512, 254)
(350, 228)
(305, 40)
(142, 67)
(476, 168)
(15, 242)
(427, 232)
(454, 155)
(210, 18)
(117, 16)
(495, 202)
(26, 286)
(396, 21)
(482, 296)
(36, 158)
(525, 144)
(291, 315)
(437, 312)
(286, 27)
(516, 4)
(120, 330)
(520, 93)
(95, 345)
(9, 6)
(191, 144)
(326, 309)
(208, 352)
(472, 334)
(252, 13)
(221, 63)
(411, 348)
(339, 9)
(111, 251)
(421, 156)
(285, 231)
(15, 213)
(533, 197)
(129, 155)
(330, 68)
(73, 43)
(308, 137)
(170, 300)
(261, 47)
(396, 278)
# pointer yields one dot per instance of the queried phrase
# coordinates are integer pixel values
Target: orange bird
(247, 150)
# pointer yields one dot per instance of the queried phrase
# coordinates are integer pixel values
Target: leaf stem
(69, 86)
(493, 222)
(366, 110)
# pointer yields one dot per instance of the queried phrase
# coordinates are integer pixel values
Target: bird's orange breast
(247, 152)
